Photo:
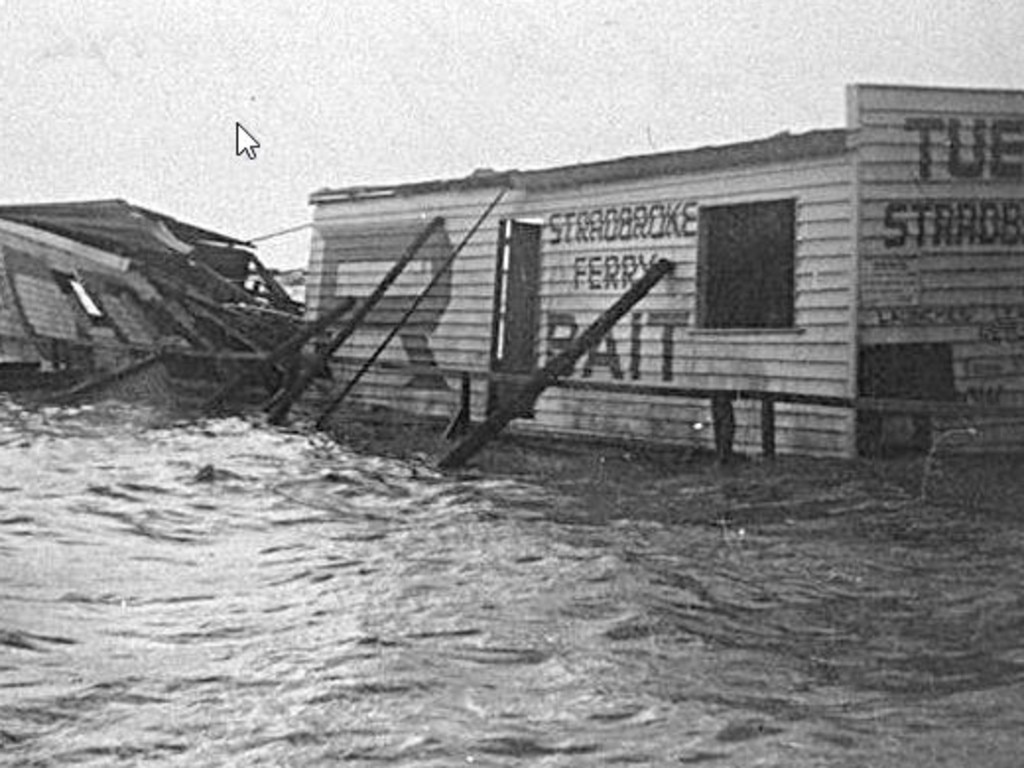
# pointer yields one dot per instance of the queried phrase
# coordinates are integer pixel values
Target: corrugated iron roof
(117, 227)
(781, 148)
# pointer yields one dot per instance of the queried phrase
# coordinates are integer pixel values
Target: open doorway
(516, 315)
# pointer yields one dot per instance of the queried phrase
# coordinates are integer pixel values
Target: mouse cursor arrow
(245, 142)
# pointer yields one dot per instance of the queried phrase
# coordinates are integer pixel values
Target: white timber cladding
(941, 196)
(658, 343)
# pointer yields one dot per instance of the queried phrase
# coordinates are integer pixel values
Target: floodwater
(222, 593)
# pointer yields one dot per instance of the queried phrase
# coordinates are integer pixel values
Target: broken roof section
(781, 148)
(157, 240)
(118, 227)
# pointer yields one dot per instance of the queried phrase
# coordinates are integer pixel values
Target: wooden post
(768, 426)
(724, 421)
(560, 366)
(283, 402)
(321, 422)
(283, 350)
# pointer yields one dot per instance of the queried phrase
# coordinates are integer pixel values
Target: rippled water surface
(222, 593)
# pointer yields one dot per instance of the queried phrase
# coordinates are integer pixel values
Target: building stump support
(723, 417)
(768, 426)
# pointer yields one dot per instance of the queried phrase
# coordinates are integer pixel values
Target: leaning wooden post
(558, 367)
(283, 350)
(282, 403)
(321, 422)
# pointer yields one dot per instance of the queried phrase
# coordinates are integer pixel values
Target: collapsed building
(92, 288)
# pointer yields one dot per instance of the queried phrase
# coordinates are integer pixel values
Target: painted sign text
(625, 222)
(614, 271)
(995, 322)
(978, 149)
(946, 223)
(611, 353)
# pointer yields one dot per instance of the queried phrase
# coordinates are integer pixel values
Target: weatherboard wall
(658, 344)
(941, 196)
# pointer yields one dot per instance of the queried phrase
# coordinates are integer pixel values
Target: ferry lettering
(611, 272)
(594, 270)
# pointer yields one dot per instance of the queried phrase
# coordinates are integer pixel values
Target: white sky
(138, 99)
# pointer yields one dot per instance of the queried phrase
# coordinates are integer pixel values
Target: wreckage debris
(105, 297)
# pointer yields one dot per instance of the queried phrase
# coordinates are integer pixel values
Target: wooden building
(880, 260)
(87, 288)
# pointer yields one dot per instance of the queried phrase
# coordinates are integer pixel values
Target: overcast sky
(139, 99)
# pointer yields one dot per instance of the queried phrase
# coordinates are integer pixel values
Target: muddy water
(221, 593)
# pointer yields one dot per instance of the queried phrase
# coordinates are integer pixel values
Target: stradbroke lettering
(656, 221)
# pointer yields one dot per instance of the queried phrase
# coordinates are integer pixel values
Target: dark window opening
(902, 372)
(745, 265)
